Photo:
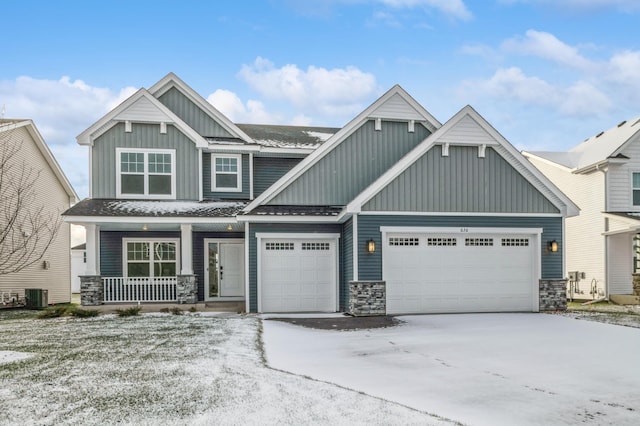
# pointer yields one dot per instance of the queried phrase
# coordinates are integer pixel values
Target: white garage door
(298, 275)
(430, 273)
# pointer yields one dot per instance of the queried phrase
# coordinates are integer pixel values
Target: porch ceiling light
(229, 228)
(371, 246)
(553, 246)
(144, 227)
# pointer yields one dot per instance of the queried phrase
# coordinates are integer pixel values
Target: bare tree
(27, 226)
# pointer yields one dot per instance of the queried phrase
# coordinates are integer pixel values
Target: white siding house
(52, 191)
(598, 175)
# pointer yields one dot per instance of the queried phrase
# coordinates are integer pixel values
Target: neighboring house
(602, 175)
(78, 265)
(282, 219)
(54, 193)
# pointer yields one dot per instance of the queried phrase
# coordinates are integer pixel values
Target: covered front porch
(622, 242)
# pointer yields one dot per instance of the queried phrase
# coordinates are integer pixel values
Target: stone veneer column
(91, 290)
(636, 284)
(367, 298)
(186, 289)
(553, 295)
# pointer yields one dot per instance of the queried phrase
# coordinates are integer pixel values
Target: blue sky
(545, 73)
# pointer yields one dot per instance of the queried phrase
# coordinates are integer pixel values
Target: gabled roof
(139, 106)
(395, 104)
(453, 132)
(10, 124)
(594, 150)
(173, 81)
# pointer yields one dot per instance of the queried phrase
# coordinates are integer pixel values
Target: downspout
(606, 229)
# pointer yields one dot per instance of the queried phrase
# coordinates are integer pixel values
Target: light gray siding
(144, 136)
(352, 166)
(192, 114)
(461, 182)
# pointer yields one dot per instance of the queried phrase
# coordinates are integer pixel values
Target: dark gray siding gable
(461, 182)
(370, 264)
(352, 165)
(267, 170)
(144, 136)
(192, 114)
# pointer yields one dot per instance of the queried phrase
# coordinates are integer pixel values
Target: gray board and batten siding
(370, 264)
(229, 195)
(145, 136)
(192, 114)
(352, 165)
(461, 182)
(267, 170)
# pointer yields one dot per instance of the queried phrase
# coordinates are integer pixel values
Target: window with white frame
(635, 191)
(145, 173)
(144, 258)
(226, 173)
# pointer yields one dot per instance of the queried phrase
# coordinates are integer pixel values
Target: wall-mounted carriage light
(371, 246)
(553, 246)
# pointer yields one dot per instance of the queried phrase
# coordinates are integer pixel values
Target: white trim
(200, 175)
(151, 258)
(79, 220)
(186, 252)
(457, 230)
(568, 208)
(90, 171)
(238, 173)
(260, 236)
(338, 138)
(251, 175)
(247, 304)
(287, 219)
(146, 173)
(355, 247)
(528, 155)
(470, 214)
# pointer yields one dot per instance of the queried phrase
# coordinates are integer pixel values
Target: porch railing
(139, 289)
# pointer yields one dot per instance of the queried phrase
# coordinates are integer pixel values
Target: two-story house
(186, 205)
(602, 175)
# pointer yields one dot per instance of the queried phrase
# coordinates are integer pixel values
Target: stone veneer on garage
(553, 295)
(367, 298)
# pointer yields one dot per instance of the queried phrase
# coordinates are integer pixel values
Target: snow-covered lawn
(483, 369)
(161, 369)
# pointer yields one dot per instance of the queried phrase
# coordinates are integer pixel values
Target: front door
(224, 269)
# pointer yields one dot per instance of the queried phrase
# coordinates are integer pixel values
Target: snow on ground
(166, 369)
(12, 356)
(483, 369)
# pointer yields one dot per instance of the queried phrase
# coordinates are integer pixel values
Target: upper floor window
(145, 173)
(636, 189)
(226, 173)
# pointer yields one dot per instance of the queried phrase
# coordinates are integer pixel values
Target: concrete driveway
(478, 369)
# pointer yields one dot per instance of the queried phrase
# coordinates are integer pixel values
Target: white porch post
(93, 250)
(186, 259)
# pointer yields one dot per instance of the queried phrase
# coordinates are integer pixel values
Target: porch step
(225, 306)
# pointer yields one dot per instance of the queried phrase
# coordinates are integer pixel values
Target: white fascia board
(172, 80)
(47, 154)
(286, 219)
(110, 119)
(275, 150)
(335, 140)
(459, 230)
(453, 214)
(631, 229)
(147, 219)
(213, 147)
(624, 219)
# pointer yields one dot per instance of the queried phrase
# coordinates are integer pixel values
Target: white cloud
(453, 8)
(61, 109)
(230, 104)
(547, 46)
(582, 5)
(332, 93)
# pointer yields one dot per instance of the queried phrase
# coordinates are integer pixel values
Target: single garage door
(298, 275)
(431, 273)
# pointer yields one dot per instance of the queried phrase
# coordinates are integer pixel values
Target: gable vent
(622, 123)
(599, 134)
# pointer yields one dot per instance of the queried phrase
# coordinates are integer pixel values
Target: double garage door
(298, 275)
(429, 272)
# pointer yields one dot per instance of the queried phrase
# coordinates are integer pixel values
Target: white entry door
(298, 274)
(223, 269)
